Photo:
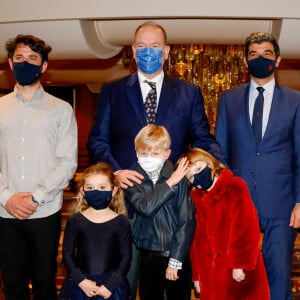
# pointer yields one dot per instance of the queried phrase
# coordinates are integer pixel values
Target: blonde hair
(196, 154)
(152, 137)
(117, 203)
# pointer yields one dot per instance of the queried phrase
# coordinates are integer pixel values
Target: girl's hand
(103, 292)
(197, 289)
(238, 275)
(89, 287)
(197, 286)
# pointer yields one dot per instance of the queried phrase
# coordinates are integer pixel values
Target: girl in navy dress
(97, 240)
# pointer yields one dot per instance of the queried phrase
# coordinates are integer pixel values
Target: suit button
(252, 173)
(257, 153)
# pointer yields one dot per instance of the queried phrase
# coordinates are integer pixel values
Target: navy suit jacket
(121, 114)
(272, 168)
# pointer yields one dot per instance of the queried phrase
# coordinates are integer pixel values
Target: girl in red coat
(226, 259)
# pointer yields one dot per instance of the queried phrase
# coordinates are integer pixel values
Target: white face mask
(151, 164)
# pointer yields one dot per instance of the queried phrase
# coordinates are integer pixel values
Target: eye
(18, 58)
(190, 178)
(88, 188)
(102, 187)
(143, 154)
(252, 55)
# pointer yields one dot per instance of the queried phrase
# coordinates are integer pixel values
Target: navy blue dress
(97, 251)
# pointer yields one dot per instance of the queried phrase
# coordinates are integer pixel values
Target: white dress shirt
(268, 96)
(38, 149)
(145, 87)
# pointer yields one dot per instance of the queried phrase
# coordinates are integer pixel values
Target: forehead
(198, 164)
(151, 149)
(264, 46)
(22, 49)
(96, 179)
(149, 33)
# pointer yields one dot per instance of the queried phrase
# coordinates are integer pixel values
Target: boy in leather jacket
(164, 221)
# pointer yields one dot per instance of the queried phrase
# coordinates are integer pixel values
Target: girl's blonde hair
(196, 154)
(117, 203)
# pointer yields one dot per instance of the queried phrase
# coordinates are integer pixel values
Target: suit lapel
(165, 101)
(246, 114)
(274, 111)
(135, 98)
(246, 106)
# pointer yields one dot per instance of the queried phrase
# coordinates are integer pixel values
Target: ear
(44, 66)
(10, 63)
(245, 61)
(168, 153)
(166, 51)
(133, 51)
(81, 191)
(278, 60)
(114, 191)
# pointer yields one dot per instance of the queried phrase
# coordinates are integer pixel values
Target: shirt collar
(157, 79)
(36, 96)
(269, 87)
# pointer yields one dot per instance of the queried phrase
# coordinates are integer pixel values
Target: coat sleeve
(296, 143)
(244, 232)
(194, 257)
(184, 233)
(200, 128)
(222, 127)
(99, 139)
(69, 250)
(147, 202)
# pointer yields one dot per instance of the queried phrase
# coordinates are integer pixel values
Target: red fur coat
(227, 237)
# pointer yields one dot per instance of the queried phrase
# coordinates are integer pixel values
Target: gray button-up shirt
(38, 149)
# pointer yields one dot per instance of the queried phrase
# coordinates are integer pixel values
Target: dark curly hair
(35, 44)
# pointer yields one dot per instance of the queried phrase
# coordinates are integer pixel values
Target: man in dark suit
(121, 112)
(265, 151)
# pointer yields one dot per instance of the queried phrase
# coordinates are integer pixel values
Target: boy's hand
(171, 273)
(179, 173)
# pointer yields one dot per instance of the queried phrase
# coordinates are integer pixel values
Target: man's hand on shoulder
(20, 205)
(128, 177)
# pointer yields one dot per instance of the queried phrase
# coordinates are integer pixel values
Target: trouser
(153, 282)
(133, 272)
(28, 252)
(277, 248)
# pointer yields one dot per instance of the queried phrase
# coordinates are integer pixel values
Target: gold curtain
(214, 68)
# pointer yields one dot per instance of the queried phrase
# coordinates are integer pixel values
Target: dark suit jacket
(272, 168)
(121, 115)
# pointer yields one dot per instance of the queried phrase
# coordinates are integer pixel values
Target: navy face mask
(261, 67)
(98, 199)
(26, 73)
(204, 179)
(149, 60)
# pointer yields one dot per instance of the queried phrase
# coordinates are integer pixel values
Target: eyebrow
(265, 51)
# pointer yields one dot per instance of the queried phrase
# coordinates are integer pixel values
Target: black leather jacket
(164, 217)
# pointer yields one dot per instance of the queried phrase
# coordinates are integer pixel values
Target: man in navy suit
(121, 112)
(271, 164)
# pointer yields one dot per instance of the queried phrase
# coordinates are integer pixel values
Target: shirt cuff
(174, 263)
